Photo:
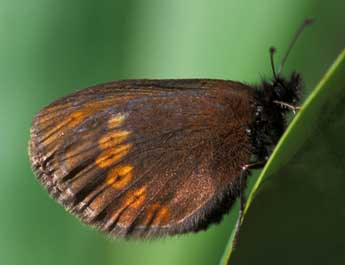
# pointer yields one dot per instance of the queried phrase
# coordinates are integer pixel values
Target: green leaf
(295, 213)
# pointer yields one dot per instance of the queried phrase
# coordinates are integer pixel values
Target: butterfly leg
(242, 181)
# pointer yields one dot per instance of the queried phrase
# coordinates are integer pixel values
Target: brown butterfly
(145, 158)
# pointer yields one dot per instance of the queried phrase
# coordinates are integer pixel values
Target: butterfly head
(287, 90)
(282, 92)
(273, 99)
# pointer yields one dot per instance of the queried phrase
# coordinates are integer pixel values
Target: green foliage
(296, 210)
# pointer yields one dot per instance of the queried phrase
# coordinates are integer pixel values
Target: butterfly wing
(145, 157)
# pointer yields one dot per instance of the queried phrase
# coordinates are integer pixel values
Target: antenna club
(309, 21)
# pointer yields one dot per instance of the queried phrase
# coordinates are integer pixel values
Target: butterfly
(147, 158)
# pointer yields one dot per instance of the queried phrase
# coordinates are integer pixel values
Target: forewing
(144, 157)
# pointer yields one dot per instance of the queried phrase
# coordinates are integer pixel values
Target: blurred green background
(51, 48)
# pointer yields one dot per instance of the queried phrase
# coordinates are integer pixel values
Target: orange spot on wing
(120, 176)
(113, 138)
(116, 121)
(76, 117)
(162, 217)
(113, 155)
(87, 110)
(127, 207)
(157, 214)
(136, 198)
(61, 117)
(69, 122)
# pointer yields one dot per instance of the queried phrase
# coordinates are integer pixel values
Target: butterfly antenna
(305, 23)
(272, 52)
